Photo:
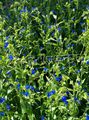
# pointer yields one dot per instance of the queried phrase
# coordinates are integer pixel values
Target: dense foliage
(44, 59)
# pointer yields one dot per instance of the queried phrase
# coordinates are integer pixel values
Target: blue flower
(18, 86)
(29, 87)
(25, 93)
(83, 30)
(64, 99)
(59, 78)
(45, 69)
(33, 71)
(59, 29)
(8, 107)
(87, 62)
(76, 99)
(53, 11)
(87, 117)
(6, 44)
(67, 92)
(10, 57)
(78, 82)
(0, 58)
(7, 37)
(2, 113)
(50, 93)
(78, 71)
(2, 100)
(9, 74)
(42, 117)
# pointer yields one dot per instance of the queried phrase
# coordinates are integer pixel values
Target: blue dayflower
(2, 113)
(25, 93)
(45, 69)
(78, 82)
(10, 57)
(64, 99)
(83, 30)
(59, 29)
(42, 117)
(7, 37)
(87, 117)
(6, 44)
(49, 94)
(76, 99)
(33, 71)
(18, 86)
(29, 87)
(8, 72)
(78, 71)
(87, 62)
(59, 78)
(67, 92)
(8, 107)
(2, 100)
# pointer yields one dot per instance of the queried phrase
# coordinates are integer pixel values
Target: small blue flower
(2, 113)
(29, 87)
(83, 30)
(66, 102)
(78, 82)
(49, 94)
(67, 92)
(76, 99)
(25, 93)
(33, 71)
(59, 29)
(6, 44)
(87, 62)
(8, 72)
(59, 78)
(8, 107)
(42, 117)
(64, 98)
(2, 100)
(0, 58)
(53, 11)
(18, 86)
(10, 57)
(78, 71)
(49, 59)
(45, 69)
(7, 37)
(87, 117)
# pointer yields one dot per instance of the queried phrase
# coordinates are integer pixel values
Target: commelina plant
(44, 59)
